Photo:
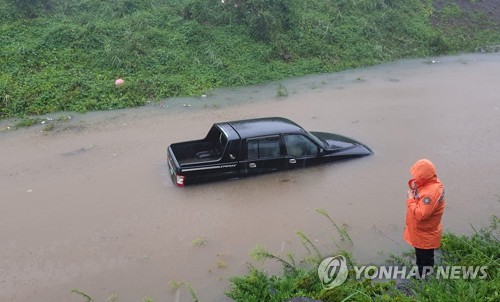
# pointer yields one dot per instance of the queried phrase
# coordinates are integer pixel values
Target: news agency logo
(332, 271)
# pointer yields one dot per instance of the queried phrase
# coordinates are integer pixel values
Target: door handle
(292, 161)
(252, 165)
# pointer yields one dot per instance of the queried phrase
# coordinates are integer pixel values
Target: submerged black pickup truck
(251, 147)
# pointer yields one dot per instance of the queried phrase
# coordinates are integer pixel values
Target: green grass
(200, 241)
(281, 91)
(27, 122)
(64, 55)
(480, 249)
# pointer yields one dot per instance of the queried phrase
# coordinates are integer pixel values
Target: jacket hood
(423, 171)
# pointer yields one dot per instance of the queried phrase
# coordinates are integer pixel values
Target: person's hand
(410, 194)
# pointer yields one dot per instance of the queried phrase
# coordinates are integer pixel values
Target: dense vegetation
(301, 280)
(66, 54)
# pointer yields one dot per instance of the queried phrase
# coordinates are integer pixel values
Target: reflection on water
(108, 220)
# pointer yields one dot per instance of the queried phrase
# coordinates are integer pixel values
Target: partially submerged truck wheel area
(256, 146)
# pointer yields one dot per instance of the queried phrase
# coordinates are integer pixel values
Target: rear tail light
(179, 180)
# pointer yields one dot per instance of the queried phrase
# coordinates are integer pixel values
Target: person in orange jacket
(425, 203)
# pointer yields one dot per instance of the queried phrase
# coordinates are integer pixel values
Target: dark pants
(425, 260)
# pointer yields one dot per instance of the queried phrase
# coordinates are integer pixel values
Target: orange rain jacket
(424, 212)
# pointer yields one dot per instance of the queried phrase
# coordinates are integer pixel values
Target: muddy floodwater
(88, 204)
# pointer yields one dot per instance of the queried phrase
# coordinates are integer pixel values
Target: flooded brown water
(92, 207)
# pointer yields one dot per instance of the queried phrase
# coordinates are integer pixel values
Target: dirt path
(91, 207)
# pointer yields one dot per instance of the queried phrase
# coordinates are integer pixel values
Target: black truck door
(300, 151)
(262, 155)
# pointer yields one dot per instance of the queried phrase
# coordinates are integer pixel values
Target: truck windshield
(318, 140)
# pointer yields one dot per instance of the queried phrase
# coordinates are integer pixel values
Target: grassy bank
(301, 279)
(64, 55)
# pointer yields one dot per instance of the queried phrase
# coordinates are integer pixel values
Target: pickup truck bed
(196, 152)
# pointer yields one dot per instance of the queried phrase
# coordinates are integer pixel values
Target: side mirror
(321, 151)
(232, 157)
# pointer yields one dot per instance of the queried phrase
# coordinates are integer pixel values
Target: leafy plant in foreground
(480, 249)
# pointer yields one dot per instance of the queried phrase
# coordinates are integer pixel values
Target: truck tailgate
(174, 168)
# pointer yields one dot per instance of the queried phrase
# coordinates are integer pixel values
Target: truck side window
(299, 146)
(264, 148)
(253, 149)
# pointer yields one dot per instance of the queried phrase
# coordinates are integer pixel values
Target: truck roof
(264, 126)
